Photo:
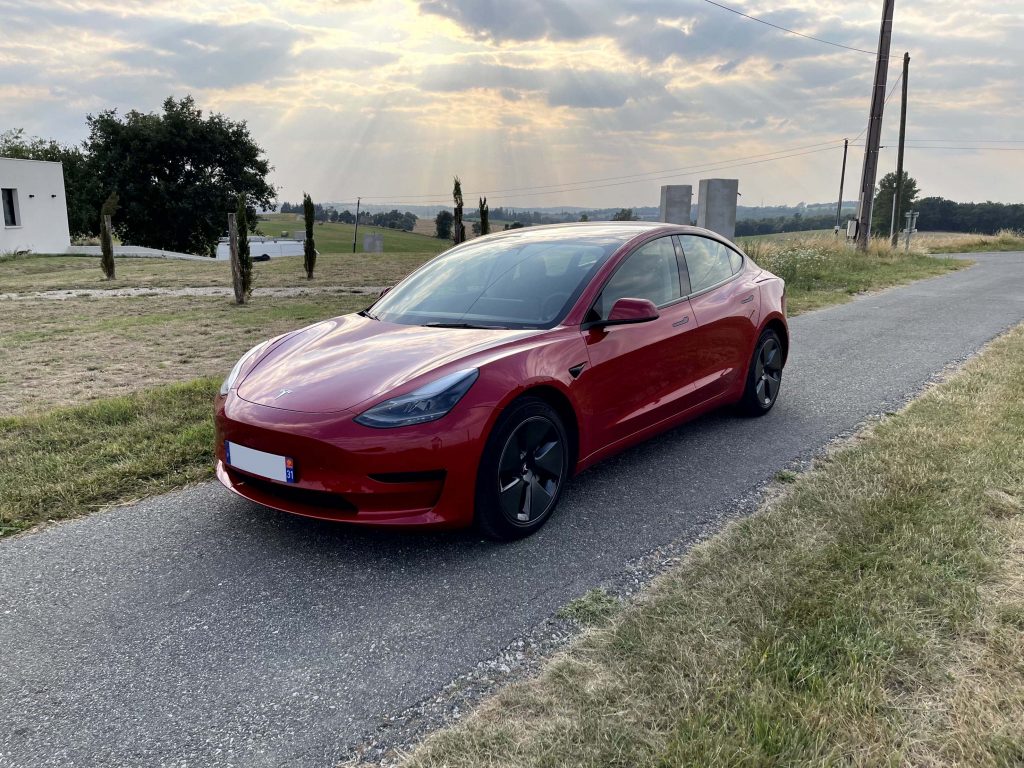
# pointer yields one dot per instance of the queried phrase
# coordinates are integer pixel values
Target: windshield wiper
(461, 325)
(364, 313)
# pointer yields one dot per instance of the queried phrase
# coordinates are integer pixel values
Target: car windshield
(528, 280)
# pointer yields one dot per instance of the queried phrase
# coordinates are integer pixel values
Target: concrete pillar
(675, 203)
(716, 205)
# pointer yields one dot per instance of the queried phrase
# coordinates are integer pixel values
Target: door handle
(747, 300)
(684, 321)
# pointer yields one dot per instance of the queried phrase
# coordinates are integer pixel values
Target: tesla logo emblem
(281, 393)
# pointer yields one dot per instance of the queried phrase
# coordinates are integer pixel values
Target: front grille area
(320, 499)
(430, 476)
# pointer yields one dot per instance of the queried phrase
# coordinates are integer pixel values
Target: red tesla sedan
(472, 391)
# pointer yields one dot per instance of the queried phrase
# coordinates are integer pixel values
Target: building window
(10, 202)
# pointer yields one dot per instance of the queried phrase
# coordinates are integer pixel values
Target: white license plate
(269, 465)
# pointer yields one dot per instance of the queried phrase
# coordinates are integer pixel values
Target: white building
(35, 211)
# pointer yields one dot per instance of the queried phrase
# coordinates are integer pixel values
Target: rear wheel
(522, 470)
(764, 377)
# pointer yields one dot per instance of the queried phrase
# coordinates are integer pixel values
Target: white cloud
(394, 96)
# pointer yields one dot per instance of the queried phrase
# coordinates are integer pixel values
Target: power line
(567, 186)
(977, 141)
(786, 29)
(889, 96)
(976, 149)
(716, 167)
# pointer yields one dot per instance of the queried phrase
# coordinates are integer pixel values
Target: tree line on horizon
(393, 219)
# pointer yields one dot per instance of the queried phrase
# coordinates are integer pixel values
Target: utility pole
(874, 137)
(842, 181)
(897, 197)
(355, 232)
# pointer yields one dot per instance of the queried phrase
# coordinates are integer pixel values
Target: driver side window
(651, 272)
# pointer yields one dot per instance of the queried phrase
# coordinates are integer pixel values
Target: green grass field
(337, 238)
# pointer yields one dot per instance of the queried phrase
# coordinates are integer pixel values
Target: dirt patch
(81, 349)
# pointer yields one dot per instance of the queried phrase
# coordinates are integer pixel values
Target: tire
(523, 468)
(764, 376)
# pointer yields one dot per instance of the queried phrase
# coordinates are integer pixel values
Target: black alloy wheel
(764, 378)
(522, 470)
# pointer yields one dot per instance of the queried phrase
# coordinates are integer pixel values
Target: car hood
(338, 364)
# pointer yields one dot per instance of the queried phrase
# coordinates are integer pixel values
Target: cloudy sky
(541, 102)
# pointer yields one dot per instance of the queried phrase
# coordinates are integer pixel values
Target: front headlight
(229, 382)
(428, 403)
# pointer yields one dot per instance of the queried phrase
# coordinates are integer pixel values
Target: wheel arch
(776, 324)
(558, 400)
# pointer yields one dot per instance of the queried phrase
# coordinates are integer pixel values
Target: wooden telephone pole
(874, 133)
(897, 197)
(842, 181)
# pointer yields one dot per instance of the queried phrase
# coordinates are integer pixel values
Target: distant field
(337, 238)
(792, 235)
(47, 273)
(76, 351)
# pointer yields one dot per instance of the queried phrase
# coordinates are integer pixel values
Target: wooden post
(236, 268)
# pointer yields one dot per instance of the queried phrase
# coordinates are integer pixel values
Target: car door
(638, 374)
(726, 303)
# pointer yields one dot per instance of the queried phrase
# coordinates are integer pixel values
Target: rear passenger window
(736, 260)
(650, 272)
(708, 261)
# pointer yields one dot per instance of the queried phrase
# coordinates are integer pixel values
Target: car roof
(627, 230)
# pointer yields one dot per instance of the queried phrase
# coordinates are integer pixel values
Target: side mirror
(628, 311)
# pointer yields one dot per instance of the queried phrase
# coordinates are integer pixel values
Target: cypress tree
(458, 228)
(309, 249)
(485, 222)
(244, 254)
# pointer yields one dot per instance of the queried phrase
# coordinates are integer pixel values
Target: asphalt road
(198, 629)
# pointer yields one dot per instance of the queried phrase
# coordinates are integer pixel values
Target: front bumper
(423, 475)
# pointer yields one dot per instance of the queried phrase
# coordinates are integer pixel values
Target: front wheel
(764, 377)
(522, 470)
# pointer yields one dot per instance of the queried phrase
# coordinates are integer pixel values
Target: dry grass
(821, 270)
(958, 242)
(78, 350)
(871, 615)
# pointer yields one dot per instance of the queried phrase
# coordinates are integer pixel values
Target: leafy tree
(476, 228)
(584, 217)
(485, 222)
(309, 248)
(244, 253)
(939, 214)
(624, 214)
(881, 214)
(515, 225)
(81, 189)
(178, 173)
(458, 228)
(106, 239)
(443, 223)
